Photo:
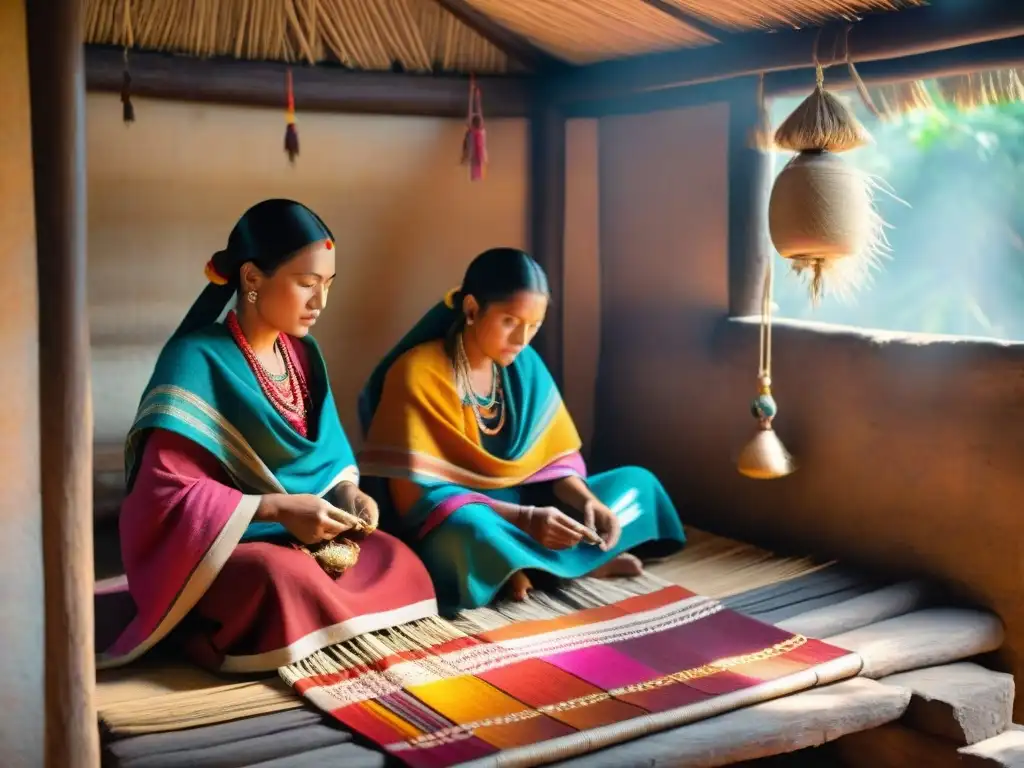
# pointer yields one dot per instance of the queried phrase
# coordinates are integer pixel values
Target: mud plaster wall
(21, 555)
(165, 192)
(911, 453)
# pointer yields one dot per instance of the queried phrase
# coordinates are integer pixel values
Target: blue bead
(764, 407)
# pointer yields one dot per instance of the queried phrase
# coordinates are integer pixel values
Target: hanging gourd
(821, 212)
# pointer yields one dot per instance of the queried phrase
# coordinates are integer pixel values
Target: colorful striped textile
(534, 691)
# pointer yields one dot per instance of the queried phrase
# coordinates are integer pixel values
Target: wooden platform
(160, 714)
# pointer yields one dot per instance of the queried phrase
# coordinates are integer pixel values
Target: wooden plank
(1006, 750)
(941, 25)
(514, 46)
(775, 727)
(58, 144)
(882, 604)
(547, 222)
(964, 703)
(323, 88)
(921, 639)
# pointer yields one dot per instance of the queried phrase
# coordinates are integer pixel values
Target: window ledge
(877, 336)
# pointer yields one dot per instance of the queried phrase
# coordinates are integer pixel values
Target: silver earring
(251, 296)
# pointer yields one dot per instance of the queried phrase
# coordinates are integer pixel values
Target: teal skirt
(474, 551)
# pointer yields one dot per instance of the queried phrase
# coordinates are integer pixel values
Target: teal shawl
(203, 389)
(419, 431)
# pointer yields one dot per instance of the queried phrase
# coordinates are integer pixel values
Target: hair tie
(449, 298)
(213, 275)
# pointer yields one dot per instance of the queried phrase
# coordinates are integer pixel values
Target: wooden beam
(324, 88)
(750, 181)
(943, 24)
(547, 222)
(689, 19)
(58, 150)
(999, 54)
(514, 46)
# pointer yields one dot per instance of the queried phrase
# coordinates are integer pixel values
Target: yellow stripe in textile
(468, 699)
(421, 411)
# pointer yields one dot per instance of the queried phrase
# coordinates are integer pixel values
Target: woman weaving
(481, 458)
(244, 529)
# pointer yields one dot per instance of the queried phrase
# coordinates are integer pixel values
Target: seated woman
(243, 505)
(481, 458)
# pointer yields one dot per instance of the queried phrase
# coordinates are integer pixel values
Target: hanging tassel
(765, 457)
(127, 108)
(474, 143)
(291, 133)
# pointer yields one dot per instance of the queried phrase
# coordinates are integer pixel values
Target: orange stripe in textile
(631, 605)
(523, 732)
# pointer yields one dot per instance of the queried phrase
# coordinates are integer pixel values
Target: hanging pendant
(765, 457)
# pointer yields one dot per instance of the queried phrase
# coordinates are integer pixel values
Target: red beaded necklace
(290, 396)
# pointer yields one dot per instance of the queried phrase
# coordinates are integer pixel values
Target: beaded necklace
(289, 393)
(495, 401)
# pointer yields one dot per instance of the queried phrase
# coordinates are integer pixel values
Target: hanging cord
(765, 356)
(858, 83)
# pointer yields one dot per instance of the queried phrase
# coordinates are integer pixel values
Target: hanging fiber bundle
(821, 211)
(821, 123)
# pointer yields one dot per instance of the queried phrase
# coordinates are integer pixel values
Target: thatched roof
(449, 35)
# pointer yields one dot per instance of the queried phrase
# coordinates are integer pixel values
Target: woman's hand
(308, 518)
(365, 508)
(598, 517)
(552, 528)
(360, 504)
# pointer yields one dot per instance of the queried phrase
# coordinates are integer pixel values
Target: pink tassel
(291, 133)
(474, 143)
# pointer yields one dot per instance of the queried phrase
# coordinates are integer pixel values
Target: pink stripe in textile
(449, 506)
(567, 466)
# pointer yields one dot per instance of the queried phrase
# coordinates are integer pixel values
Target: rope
(765, 354)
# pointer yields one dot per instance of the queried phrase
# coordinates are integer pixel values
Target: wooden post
(58, 137)
(749, 188)
(547, 221)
